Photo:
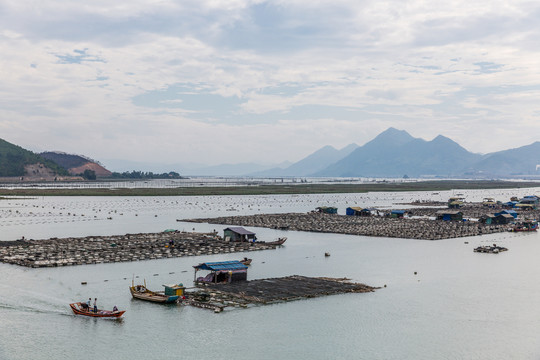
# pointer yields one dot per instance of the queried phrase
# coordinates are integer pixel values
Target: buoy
(83, 282)
(415, 273)
(327, 254)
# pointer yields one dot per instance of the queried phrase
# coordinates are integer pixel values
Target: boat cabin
(221, 272)
(238, 233)
(174, 289)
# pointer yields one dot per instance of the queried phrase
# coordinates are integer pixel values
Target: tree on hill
(89, 174)
(145, 175)
(66, 161)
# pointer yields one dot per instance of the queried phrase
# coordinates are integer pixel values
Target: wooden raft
(266, 291)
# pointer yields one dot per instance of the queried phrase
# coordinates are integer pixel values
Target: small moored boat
(525, 226)
(78, 309)
(246, 261)
(171, 295)
(279, 241)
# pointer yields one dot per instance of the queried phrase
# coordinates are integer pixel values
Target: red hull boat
(79, 310)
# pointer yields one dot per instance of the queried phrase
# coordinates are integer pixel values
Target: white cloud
(72, 70)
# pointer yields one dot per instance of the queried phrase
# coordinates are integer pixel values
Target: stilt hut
(358, 211)
(455, 202)
(503, 219)
(508, 212)
(353, 211)
(449, 215)
(238, 233)
(221, 272)
(327, 209)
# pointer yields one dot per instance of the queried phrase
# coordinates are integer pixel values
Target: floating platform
(273, 290)
(118, 248)
(494, 249)
(379, 226)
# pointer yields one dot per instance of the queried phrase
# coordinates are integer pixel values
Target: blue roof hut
(221, 272)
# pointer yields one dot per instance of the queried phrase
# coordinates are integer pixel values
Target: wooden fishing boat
(78, 309)
(525, 226)
(142, 293)
(246, 261)
(279, 241)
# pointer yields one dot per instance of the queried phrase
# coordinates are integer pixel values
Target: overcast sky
(265, 81)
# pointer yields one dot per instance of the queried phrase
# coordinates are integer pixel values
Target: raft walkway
(118, 248)
(379, 226)
(273, 290)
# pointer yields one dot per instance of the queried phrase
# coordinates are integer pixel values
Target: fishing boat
(525, 226)
(171, 294)
(246, 261)
(78, 309)
(279, 241)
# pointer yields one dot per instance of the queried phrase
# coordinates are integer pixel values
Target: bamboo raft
(273, 290)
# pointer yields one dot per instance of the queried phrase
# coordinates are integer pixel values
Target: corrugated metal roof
(221, 266)
(356, 208)
(239, 230)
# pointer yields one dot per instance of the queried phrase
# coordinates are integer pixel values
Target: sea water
(437, 299)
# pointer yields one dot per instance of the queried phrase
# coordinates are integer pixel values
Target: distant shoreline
(283, 189)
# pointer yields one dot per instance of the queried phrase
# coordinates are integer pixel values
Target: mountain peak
(392, 136)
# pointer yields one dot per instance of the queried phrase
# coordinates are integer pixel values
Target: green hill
(66, 161)
(14, 158)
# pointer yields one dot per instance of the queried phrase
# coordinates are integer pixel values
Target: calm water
(460, 305)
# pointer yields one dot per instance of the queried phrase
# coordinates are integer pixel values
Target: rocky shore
(117, 248)
(409, 228)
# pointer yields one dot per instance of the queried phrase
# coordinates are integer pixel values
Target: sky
(239, 81)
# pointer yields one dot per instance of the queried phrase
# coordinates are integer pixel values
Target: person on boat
(84, 306)
(88, 303)
(114, 308)
(95, 305)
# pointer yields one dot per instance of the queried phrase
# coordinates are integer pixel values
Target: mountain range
(392, 154)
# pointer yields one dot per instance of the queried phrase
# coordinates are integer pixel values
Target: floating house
(397, 213)
(449, 215)
(327, 209)
(508, 212)
(221, 272)
(238, 233)
(455, 202)
(509, 204)
(528, 202)
(358, 211)
(503, 219)
(490, 202)
(487, 219)
(522, 206)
